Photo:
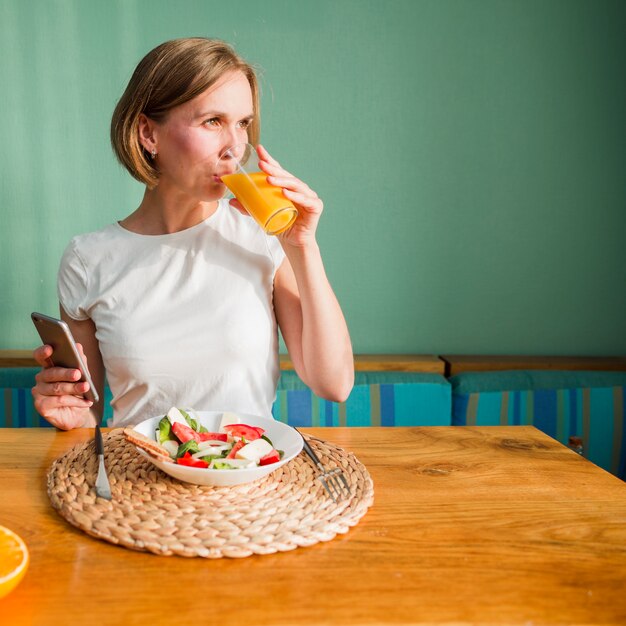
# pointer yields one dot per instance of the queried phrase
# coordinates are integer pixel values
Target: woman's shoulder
(102, 236)
(110, 231)
(90, 244)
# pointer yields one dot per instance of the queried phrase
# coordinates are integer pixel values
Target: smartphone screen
(56, 333)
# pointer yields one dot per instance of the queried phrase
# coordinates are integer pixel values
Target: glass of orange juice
(239, 171)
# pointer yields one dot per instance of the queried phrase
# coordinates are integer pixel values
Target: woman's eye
(214, 121)
(245, 123)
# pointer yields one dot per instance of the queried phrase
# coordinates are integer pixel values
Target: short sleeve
(72, 285)
(276, 251)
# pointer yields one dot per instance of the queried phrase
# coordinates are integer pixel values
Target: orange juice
(265, 203)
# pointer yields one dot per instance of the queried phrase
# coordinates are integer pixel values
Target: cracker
(150, 446)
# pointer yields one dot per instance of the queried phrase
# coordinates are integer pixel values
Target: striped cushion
(16, 400)
(378, 399)
(17, 410)
(561, 404)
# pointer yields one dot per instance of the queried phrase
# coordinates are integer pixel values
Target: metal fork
(333, 480)
(103, 489)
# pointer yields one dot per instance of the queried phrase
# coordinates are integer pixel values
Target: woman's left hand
(309, 205)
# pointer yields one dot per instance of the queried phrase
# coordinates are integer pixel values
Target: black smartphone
(56, 333)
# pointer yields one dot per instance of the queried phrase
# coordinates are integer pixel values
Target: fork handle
(309, 451)
(99, 442)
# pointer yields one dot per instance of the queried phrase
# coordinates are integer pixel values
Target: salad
(234, 446)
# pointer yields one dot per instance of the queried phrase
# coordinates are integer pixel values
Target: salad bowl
(282, 436)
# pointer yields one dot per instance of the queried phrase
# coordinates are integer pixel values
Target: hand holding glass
(264, 202)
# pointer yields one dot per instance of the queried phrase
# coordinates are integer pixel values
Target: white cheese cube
(227, 419)
(254, 450)
(175, 416)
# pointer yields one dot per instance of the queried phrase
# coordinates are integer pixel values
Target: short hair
(170, 75)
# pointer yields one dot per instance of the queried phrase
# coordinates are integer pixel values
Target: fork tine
(343, 484)
(337, 486)
(333, 480)
(322, 479)
(336, 490)
(340, 483)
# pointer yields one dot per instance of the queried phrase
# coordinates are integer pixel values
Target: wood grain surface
(459, 363)
(470, 525)
(425, 363)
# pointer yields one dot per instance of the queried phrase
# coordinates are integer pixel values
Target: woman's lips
(218, 177)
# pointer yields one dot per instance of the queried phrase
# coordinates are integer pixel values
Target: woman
(179, 303)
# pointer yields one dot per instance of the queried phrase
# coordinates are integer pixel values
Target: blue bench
(562, 404)
(16, 401)
(377, 399)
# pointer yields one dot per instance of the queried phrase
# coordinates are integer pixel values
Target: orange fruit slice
(13, 560)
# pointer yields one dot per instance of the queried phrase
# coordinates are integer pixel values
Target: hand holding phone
(56, 333)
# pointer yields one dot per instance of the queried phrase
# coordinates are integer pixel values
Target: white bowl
(282, 436)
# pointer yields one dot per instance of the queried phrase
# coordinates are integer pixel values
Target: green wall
(471, 155)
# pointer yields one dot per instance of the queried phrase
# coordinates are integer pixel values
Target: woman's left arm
(307, 311)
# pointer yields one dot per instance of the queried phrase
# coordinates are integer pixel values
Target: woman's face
(194, 135)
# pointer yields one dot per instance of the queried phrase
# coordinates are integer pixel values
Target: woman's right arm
(57, 396)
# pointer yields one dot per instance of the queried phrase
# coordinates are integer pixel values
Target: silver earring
(154, 153)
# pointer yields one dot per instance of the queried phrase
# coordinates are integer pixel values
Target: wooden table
(491, 525)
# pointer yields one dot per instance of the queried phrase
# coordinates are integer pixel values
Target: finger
(264, 155)
(293, 184)
(73, 401)
(81, 352)
(274, 170)
(58, 374)
(314, 205)
(237, 205)
(273, 167)
(42, 355)
(47, 406)
(62, 389)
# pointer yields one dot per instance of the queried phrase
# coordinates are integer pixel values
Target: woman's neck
(162, 214)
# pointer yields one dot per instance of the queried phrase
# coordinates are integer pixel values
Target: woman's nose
(234, 149)
(230, 137)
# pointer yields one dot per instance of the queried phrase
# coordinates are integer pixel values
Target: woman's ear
(147, 134)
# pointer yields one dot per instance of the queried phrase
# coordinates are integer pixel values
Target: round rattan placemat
(153, 512)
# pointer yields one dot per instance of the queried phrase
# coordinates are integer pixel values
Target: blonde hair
(169, 75)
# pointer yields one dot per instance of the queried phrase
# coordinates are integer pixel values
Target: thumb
(237, 205)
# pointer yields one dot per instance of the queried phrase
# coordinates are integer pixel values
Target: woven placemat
(153, 512)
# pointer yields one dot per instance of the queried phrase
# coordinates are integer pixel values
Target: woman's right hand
(58, 396)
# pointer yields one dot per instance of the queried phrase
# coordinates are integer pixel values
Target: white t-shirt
(185, 319)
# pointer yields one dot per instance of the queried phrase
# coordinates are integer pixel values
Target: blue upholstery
(16, 400)
(561, 404)
(377, 399)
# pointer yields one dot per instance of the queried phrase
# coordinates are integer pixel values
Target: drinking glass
(239, 171)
